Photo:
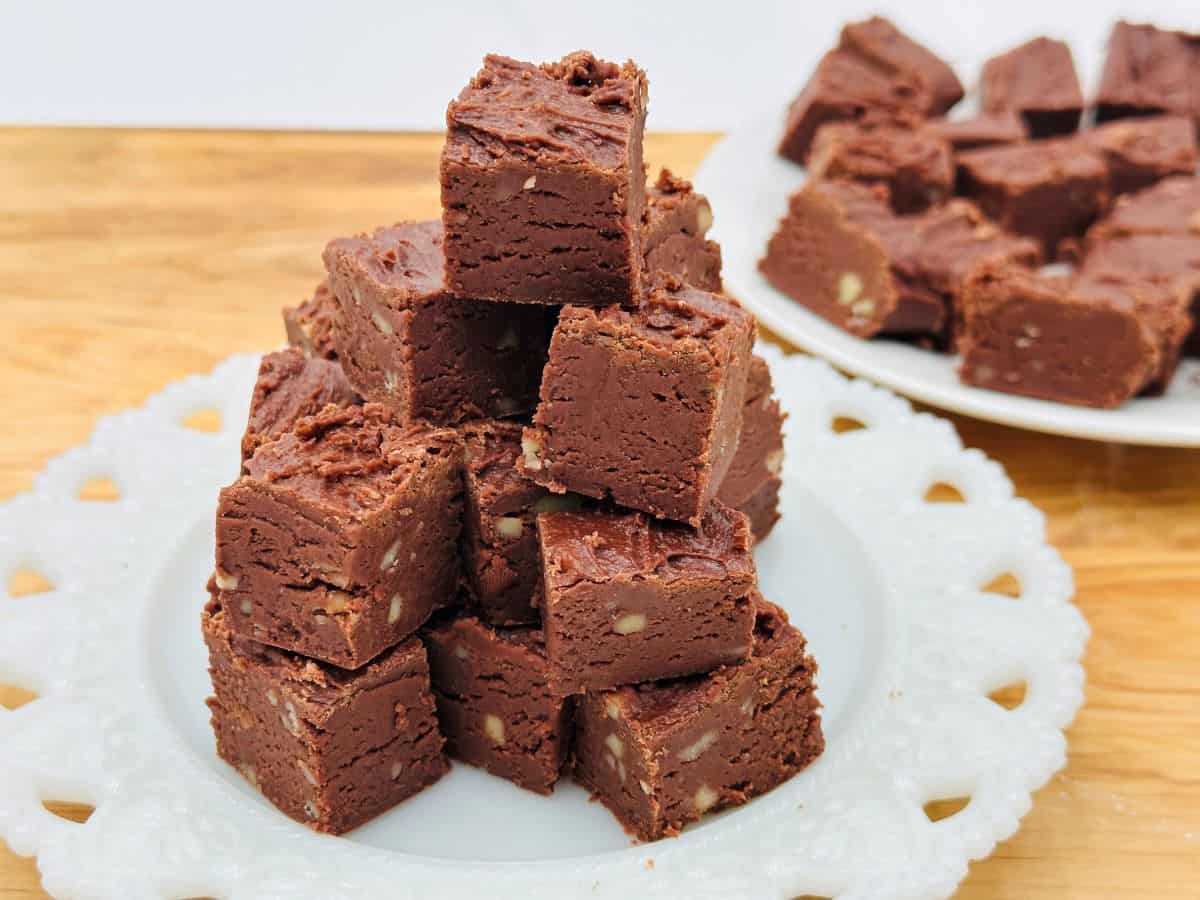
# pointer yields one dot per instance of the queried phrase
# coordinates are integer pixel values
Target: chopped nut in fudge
(1036, 80)
(677, 220)
(1149, 71)
(503, 569)
(404, 341)
(543, 189)
(643, 406)
(661, 755)
(630, 599)
(914, 164)
(341, 537)
(310, 325)
(1140, 152)
(1028, 334)
(847, 87)
(1047, 190)
(290, 386)
(752, 483)
(498, 703)
(330, 748)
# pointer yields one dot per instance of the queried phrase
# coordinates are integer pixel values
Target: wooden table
(129, 259)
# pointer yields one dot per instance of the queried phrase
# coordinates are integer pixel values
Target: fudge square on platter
(643, 406)
(497, 700)
(543, 189)
(889, 49)
(1148, 71)
(330, 748)
(1094, 345)
(291, 386)
(677, 220)
(502, 565)
(1037, 81)
(629, 599)
(405, 342)
(752, 483)
(1047, 190)
(310, 325)
(341, 537)
(660, 755)
(1140, 152)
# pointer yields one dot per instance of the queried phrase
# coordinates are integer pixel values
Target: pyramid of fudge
(917, 227)
(507, 479)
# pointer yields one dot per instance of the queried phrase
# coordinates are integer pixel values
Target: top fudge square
(543, 188)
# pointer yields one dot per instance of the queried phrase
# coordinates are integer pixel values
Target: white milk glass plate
(748, 184)
(889, 588)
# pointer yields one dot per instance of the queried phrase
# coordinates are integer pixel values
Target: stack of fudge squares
(499, 498)
(918, 227)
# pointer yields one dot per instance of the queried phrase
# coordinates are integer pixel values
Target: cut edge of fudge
(310, 325)
(1037, 80)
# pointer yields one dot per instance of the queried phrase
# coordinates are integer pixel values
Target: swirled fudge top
(600, 546)
(578, 110)
(352, 460)
(674, 312)
(406, 258)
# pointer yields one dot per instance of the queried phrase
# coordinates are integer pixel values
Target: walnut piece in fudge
(1047, 190)
(677, 220)
(1031, 335)
(543, 189)
(290, 386)
(752, 483)
(845, 87)
(988, 130)
(890, 50)
(405, 342)
(1149, 71)
(664, 754)
(914, 164)
(310, 325)
(329, 748)
(497, 701)
(643, 406)
(1140, 152)
(341, 538)
(503, 568)
(630, 599)
(1037, 80)
(841, 252)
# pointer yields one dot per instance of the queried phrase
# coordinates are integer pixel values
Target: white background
(392, 64)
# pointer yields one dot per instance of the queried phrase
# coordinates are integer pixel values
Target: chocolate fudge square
(1047, 190)
(914, 164)
(1031, 335)
(677, 220)
(341, 537)
(497, 701)
(644, 406)
(310, 325)
(1170, 207)
(291, 386)
(630, 599)
(889, 49)
(503, 567)
(329, 748)
(543, 190)
(846, 87)
(752, 483)
(987, 130)
(1149, 71)
(404, 341)
(1036, 80)
(843, 253)
(1140, 152)
(664, 754)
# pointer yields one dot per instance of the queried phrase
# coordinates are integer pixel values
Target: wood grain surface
(131, 258)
